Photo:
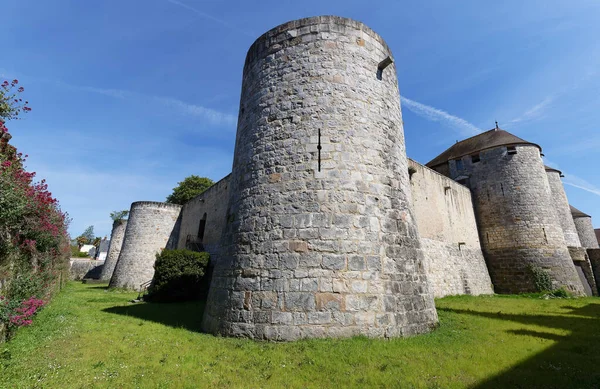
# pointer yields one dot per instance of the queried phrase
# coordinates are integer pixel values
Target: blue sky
(131, 96)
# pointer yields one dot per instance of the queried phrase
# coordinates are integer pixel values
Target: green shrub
(178, 276)
(82, 255)
(541, 278)
(560, 293)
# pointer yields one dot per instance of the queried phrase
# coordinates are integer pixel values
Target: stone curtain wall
(446, 221)
(151, 227)
(330, 253)
(214, 203)
(561, 204)
(597, 231)
(594, 256)
(82, 268)
(518, 225)
(116, 241)
(583, 266)
(586, 233)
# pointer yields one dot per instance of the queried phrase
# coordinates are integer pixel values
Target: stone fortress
(324, 228)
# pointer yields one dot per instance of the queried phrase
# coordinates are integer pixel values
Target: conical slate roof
(551, 169)
(493, 138)
(577, 213)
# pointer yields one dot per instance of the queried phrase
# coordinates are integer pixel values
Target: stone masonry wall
(597, 231)
(330, 250)
(114, 249)
(583, 266)
(82, 268)
(518, 224)
(151, 227)
(446, 221)
(594, 257)
(561, 204)
(585, 229)
(213, 202)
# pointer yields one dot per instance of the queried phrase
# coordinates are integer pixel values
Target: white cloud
(437, 115)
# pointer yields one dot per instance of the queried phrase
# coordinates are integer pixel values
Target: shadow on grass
(186, 315)
(572, 362)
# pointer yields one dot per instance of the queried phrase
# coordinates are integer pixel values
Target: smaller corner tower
(585, 229)
(151, 227)
(518, 224)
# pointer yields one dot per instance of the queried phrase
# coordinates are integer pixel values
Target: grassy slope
(89, 337)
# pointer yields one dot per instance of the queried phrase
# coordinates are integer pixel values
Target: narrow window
(545, 236)
(502, 188)
(201, 228)
(459, 164)
(511, 150)
(319, 149)
(475, 158)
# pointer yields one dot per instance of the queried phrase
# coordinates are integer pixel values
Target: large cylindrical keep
(152, 227)
(585, 230)
(563, 211)
(114, 249)
(320, 240)
(518, 225)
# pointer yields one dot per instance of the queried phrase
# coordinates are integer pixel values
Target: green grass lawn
(89, 337)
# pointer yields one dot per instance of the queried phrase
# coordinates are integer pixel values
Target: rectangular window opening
(511, 150)
(459, 164)
(475, 158)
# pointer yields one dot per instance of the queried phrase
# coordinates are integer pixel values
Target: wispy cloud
(539, 110)
(210, 17)
(437, 115)
(535, 112)
(580, 183)
(574, 181)
(211, 115)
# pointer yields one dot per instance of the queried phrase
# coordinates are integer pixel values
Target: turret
(321, 239)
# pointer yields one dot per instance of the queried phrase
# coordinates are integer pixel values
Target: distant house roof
(577, 213)
(551, 169)
(486, 140)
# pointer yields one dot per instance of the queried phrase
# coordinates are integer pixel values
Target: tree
(81, 241)
(189, 188)
(89, 234)
(119, 215)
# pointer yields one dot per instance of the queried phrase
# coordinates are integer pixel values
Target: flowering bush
(34, 245)
(10, 102)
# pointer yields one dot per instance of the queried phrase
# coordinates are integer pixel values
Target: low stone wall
(85, 268)
(594, 257)
(455, 270)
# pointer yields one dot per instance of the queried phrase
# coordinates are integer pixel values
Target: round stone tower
(320, 240)
(585, 229)
(152, 226)
(518, 224)
(116, 241)
(561, 205)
